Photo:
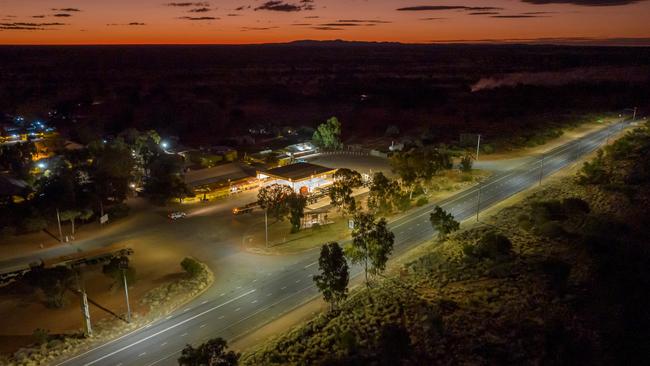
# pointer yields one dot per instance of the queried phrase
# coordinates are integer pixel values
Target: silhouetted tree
(372, 243)
(211, 353)
(443, 222)
(334, 274)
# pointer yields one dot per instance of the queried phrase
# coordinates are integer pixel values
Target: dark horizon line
(569, 41)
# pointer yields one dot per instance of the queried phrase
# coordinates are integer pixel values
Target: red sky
(261, 21)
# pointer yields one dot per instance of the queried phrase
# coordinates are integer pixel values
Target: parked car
(177, 215)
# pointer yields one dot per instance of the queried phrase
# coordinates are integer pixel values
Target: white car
(177, 215)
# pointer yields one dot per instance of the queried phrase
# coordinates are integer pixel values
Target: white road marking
(142, 354)
(238, 287)
(183, 335)
(204, 302)
(222, 294)
(255, 280)
(163, 344)
(311, 264)
(298, 281)
(284, 288)
(253, 302)
(168, 328)
(186, 310)
(269, 294)
(221, 317)
(169, 317)
(202, 325)
(237, 309)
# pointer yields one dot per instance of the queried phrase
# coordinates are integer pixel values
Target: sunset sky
(261, 21)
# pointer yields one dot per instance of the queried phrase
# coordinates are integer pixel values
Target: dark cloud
(66, 10)
(62, 15)
(38, 16)
(584, 2)
(432, 18)
(199, 10)
(279, 5)
(341, 24)
(29, 26)
(302, 24)
(517, 16)
(312, 17)
(539, 12)
(448, 7)
(484, 13)
(233, 15)
(327, 28)
(127, 24)
(243, 7)
(203, 4)
(256, 28)
(198, 18)
(363, 21)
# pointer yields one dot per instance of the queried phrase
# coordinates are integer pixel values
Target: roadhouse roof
(298, 171)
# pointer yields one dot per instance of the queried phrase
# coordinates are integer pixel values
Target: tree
(211, 353)
(341, 191)
(53, 282)
(383, 193)
(466, 162)
(334, 274)
(113, 270)
(296, 203)
(274, 199)
(111, 169)
(328, 134)
(372, 243)
(443, 222)
(165, 180)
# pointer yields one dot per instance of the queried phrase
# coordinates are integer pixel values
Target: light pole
(85, 310)
(478, 145)
(541, 170)
(266, 226)
(478, 200)
(124, 266)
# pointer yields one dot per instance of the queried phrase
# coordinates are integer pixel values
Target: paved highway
(270, 294)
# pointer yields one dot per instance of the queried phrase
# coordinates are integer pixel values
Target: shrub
(545, 211)
(118, 211)
(551, 229)
(575, 205)
(525, 222)
(41, 336)
(192, 266)
(422, 201)
(557, 274)
(492, 245)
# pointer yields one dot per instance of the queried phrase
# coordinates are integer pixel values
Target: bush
(551, 229)
(33, 224)
(118, 211)
(41, 336)
(422, 201)
(545, 211)
(557, 274)
(192, 266)
(492, 245)
(575, 206)
(525, 222)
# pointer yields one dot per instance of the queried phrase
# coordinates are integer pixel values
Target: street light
(164, 144)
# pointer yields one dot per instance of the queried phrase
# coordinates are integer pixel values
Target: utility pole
(266, 226)
(124, 266)
(85, 310)
(478, 145)
(478, 200)
(634, 115)
(58, 221)
(541, 170)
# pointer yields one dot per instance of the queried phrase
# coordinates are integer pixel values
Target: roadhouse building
(304, 178)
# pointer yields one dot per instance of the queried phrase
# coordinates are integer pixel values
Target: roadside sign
(351, 224)
(103, 219)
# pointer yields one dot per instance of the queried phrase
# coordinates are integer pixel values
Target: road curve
(272, 294)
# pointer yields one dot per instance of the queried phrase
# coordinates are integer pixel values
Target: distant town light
(41, 165)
